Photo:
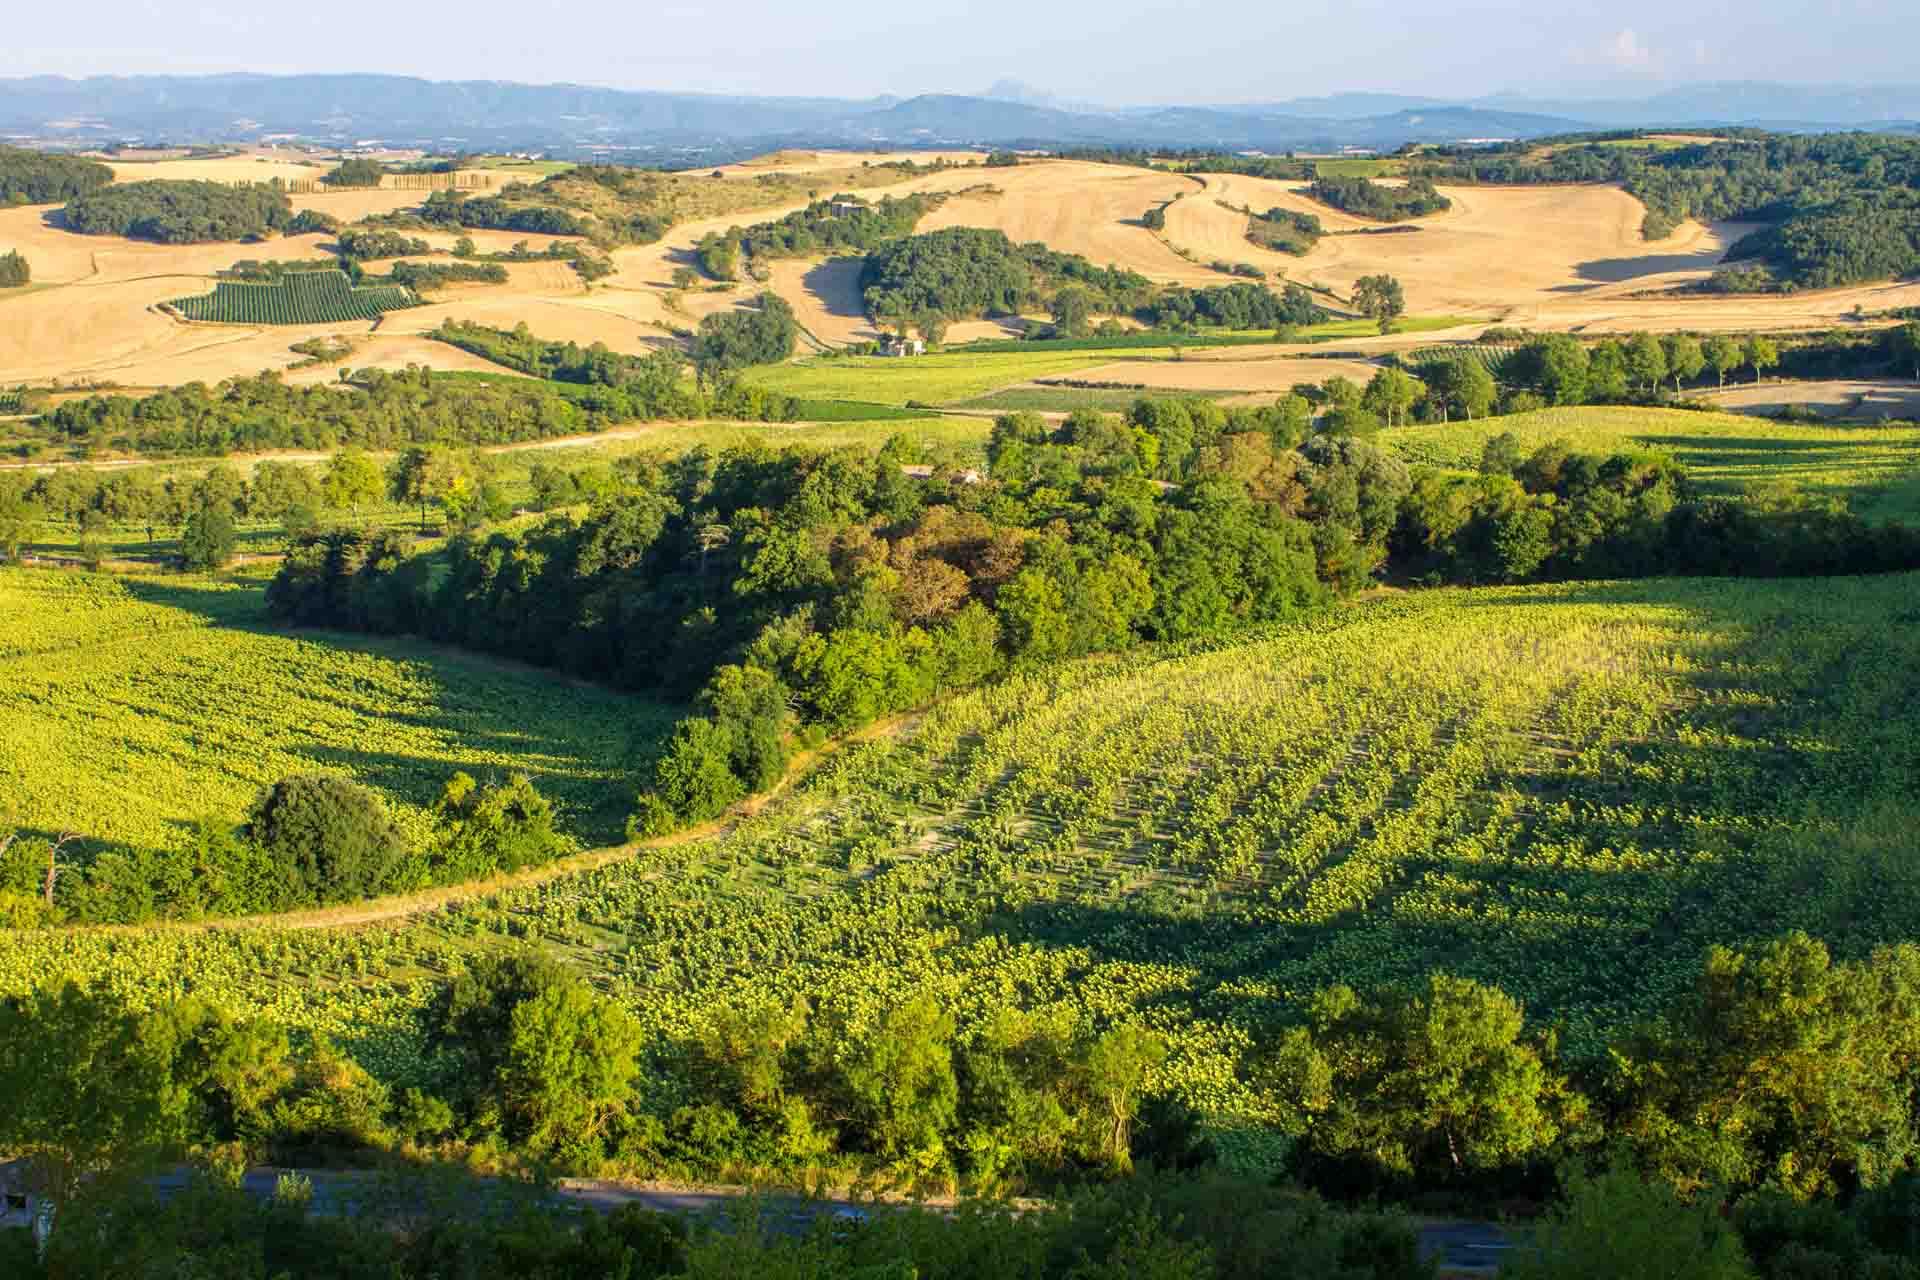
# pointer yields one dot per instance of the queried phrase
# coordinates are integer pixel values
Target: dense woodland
(36, 177)
(966, 272)
(175, 212)
(837, 225)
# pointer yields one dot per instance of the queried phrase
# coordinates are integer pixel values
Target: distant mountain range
(578, 120)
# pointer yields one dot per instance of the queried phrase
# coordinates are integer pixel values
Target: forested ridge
(36, 177)
(1840, 208)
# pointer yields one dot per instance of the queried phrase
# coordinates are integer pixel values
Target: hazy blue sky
(1098, 50)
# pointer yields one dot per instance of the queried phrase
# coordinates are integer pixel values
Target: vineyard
(134, 706)
(1491, 356)
(305, 297)
(1569, 791)
(1876, 470)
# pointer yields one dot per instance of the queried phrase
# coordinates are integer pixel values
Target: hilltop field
(1555, 257)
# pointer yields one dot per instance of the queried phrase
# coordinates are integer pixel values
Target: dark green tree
(332, 838)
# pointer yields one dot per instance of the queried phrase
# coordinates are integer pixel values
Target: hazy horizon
(1119, 52)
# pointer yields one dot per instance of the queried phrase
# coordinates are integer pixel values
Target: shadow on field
(1776, 795)
(578, 742)
(1620, 270)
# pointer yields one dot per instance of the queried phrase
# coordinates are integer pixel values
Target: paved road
(1459, 1246)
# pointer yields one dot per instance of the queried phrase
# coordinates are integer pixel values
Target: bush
(208, 540)
(1618, 1226)
(14, 270)
(502, 826)
(332, 838)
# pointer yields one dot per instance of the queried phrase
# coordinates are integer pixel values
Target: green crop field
(303, 297)
(134, 705)
(1569, 791)
(1877, 469)
(933, 379)
(1045, 399)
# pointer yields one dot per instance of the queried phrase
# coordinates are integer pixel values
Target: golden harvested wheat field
(242, 168)
(1566, 258)
(1077, 207)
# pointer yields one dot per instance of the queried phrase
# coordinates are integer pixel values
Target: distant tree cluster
(455, 209)
(1365, 198)
(1285, 231)
(728, 341)
(175, 212)
(372, 244)
(837, 225)
(37, 177)
(355, 171)
(963, 272)
(14, 270)
(1232, 306)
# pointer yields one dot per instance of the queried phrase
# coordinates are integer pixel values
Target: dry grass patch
(1860, 400)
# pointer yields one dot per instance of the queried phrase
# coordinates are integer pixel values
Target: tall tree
(1391, 394)
(1380, 298)
(1430, 1084)
(88, 1095)
(1685, 358)
(1906, 345)
(1762, 354)
(1723, 356)
(350, 479)
(1646, 360)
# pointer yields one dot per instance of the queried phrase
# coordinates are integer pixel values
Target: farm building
(892, 346)
(19, 1207)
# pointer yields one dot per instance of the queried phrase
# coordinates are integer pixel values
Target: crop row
(305, 297)
(1570, 791)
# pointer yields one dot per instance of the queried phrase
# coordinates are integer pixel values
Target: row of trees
(1783, 1082)
(385, 411)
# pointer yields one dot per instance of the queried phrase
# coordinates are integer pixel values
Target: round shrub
(332, 837)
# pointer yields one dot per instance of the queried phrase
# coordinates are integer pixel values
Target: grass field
(1876, 469)
(1570, 791)
(134, 705)
(933, 379)
(1045, 399)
